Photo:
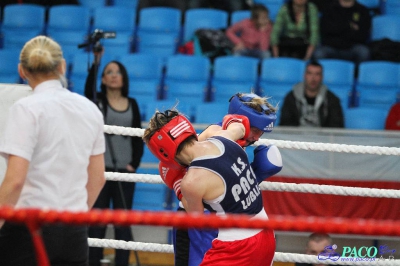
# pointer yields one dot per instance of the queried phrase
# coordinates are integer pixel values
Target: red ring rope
(33, 218)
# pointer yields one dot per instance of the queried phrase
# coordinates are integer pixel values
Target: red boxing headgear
(165, 141)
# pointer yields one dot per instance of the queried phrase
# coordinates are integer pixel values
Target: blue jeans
(357, 53)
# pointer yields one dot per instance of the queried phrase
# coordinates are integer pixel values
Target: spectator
(123, 154)
(345, 30)
(173, 140)
(54, 145)
(315, 245)
(251, 36)
(296, 30)
(311, 103)
(393, 118)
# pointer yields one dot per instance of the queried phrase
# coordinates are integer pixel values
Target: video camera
(95, 37)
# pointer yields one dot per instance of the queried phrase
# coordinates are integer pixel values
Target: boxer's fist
(172, 177)
(228, 119)
(267, 162)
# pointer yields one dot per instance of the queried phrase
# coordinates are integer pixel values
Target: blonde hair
(257, 102)
(42, 55)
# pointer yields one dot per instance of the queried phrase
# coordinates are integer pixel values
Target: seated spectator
(393, 119)
(251, 36)
(315, 245)
(311, 103)
(345, 29)
(296, 30)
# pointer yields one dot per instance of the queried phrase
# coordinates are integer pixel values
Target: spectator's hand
(98, 55)
(354, 26)
(275, 51)
(130, 168)
(238, 47)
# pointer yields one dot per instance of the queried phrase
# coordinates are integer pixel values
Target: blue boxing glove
(267, 162)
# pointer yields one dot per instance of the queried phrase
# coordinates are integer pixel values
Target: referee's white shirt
(57, 131)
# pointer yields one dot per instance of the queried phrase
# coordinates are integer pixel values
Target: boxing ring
(35, 218)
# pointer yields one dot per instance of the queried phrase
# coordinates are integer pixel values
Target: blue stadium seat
(386, 26)
(145, 73)
(233, 74)
(369, 3)
(93, 4)
(125, 3)
(365, 118)
(187, 78)
(161, 44)
(69, 41)
(338, 75)
(121, 44)
(160, 19)
(79, 72)
(149, 197)
(280, 71)
(66, 18)
(391, 7)
(21, 23)
(9, 59)
(379, 74)
(210, 112)
(115, 18)
(185, 108)
(203, 18)
(239, 15)
(276, 93)
(379, 98)
(69, 25)
(381, 78)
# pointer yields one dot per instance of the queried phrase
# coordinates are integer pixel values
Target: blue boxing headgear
(260, 120)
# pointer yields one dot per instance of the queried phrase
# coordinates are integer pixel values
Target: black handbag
(293, 42)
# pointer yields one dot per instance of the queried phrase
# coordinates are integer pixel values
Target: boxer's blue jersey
(234, 169)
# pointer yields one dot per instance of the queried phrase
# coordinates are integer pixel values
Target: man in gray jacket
(311, 103)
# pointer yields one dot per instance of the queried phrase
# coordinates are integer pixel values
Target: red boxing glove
(228, 119)
(172, 177)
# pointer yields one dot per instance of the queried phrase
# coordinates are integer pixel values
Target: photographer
(123, 154)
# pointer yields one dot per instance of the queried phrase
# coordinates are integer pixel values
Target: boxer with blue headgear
(262, 116)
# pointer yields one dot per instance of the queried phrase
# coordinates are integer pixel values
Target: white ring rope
(297, 145)
(279, 256)
(318, 146)
(275, 186)
(266, 185)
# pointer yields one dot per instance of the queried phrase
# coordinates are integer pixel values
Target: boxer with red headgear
(217, 169)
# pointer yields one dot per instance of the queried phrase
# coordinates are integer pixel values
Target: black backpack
(212, 43)
(385, 50)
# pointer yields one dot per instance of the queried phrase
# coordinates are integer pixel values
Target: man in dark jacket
(311, 103)
(345, 30)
